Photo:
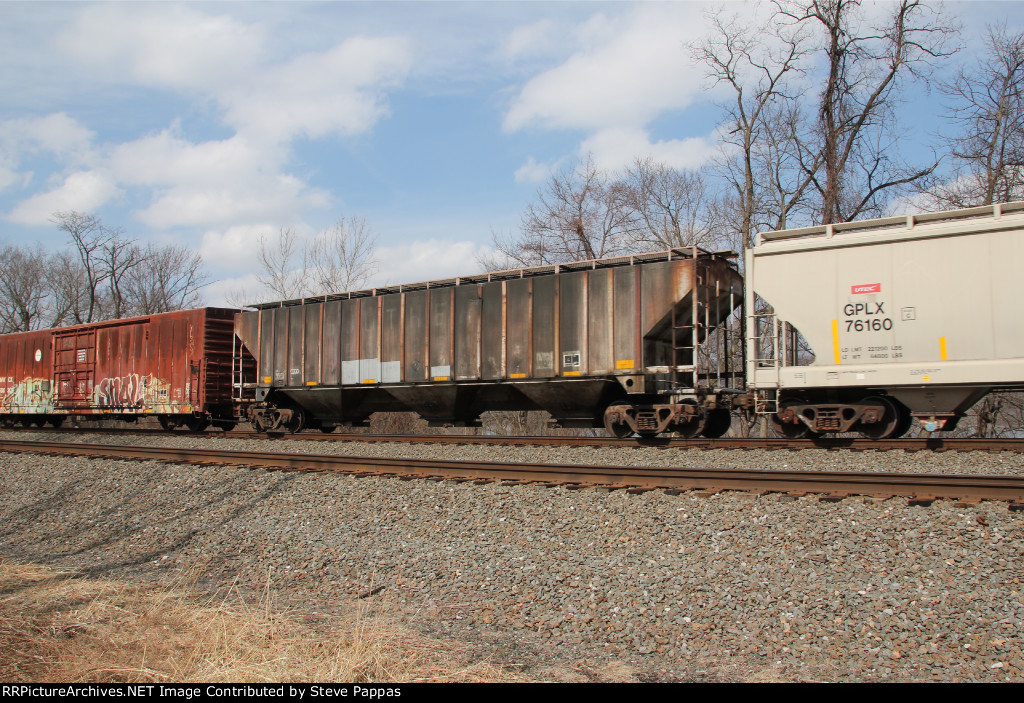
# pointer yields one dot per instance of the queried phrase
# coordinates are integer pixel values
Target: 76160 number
(873, 325)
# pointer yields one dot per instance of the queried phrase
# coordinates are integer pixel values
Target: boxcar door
(74, 368)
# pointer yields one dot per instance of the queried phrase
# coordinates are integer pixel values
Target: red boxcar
(176, 366)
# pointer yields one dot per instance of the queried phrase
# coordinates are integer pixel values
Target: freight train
(854, 327)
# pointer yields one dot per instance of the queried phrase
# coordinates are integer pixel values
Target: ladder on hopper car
(703, 338)
(774, 345)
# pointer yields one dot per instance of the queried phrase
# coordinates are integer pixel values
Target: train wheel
(695, 426)
(226, 426)
(717, 424)
(197, 423)
(614, 422)
(894, 423)
(689, 430)
(167, 422)
(55, 420)
(790, 430)
(327, 429)
(298, 421)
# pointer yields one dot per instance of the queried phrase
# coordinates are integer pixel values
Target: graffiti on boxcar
(29, 395)
(131, 391)
(121, 391)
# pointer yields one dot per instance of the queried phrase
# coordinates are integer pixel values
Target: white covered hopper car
(907, 317)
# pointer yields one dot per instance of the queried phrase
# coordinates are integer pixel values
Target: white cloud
(166, 159)
(233, 249)
(214, 182)
(165, 45)
(626, 71)
(278, 196)
(528, 40)
(426, 260)
(533, 172)
(56, 133)
(8, 174)
(340, 90)
(83, 190)
(337, 91)
(615, 148)
(267, 99)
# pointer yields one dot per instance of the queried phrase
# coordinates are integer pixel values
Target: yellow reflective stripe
(835, 340)
(942, 348)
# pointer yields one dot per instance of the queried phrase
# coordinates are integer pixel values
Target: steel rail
(922, 487)
(911, 444)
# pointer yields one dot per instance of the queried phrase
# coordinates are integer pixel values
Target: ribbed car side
(635, 344)
(174, 366)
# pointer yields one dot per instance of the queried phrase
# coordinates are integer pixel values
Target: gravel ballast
(654, 587)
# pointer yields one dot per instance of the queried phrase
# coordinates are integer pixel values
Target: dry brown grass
(60, 627)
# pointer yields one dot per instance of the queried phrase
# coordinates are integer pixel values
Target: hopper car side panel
(567, 339)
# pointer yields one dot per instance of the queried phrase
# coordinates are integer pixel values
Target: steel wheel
(197, 423)
(895, 421)
(298, 421)
(717, 424)
(789, 430)
(616, 428)
(694, 427)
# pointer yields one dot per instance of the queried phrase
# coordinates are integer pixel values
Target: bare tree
(69, 289)
(89, 237)
(283, 270)
(758, 63)
(120, 257)
(580, 214)
(672, 207)
(167, 278)
(24, 297)
(863, 68)
(988, 106)
(341, 258)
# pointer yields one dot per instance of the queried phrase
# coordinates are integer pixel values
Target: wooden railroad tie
(967, 503)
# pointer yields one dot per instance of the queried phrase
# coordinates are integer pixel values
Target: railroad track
(919, 488)
(913, 444)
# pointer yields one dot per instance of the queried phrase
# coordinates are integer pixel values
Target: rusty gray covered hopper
(568, 339)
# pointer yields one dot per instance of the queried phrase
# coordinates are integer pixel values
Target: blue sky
(209, 123)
